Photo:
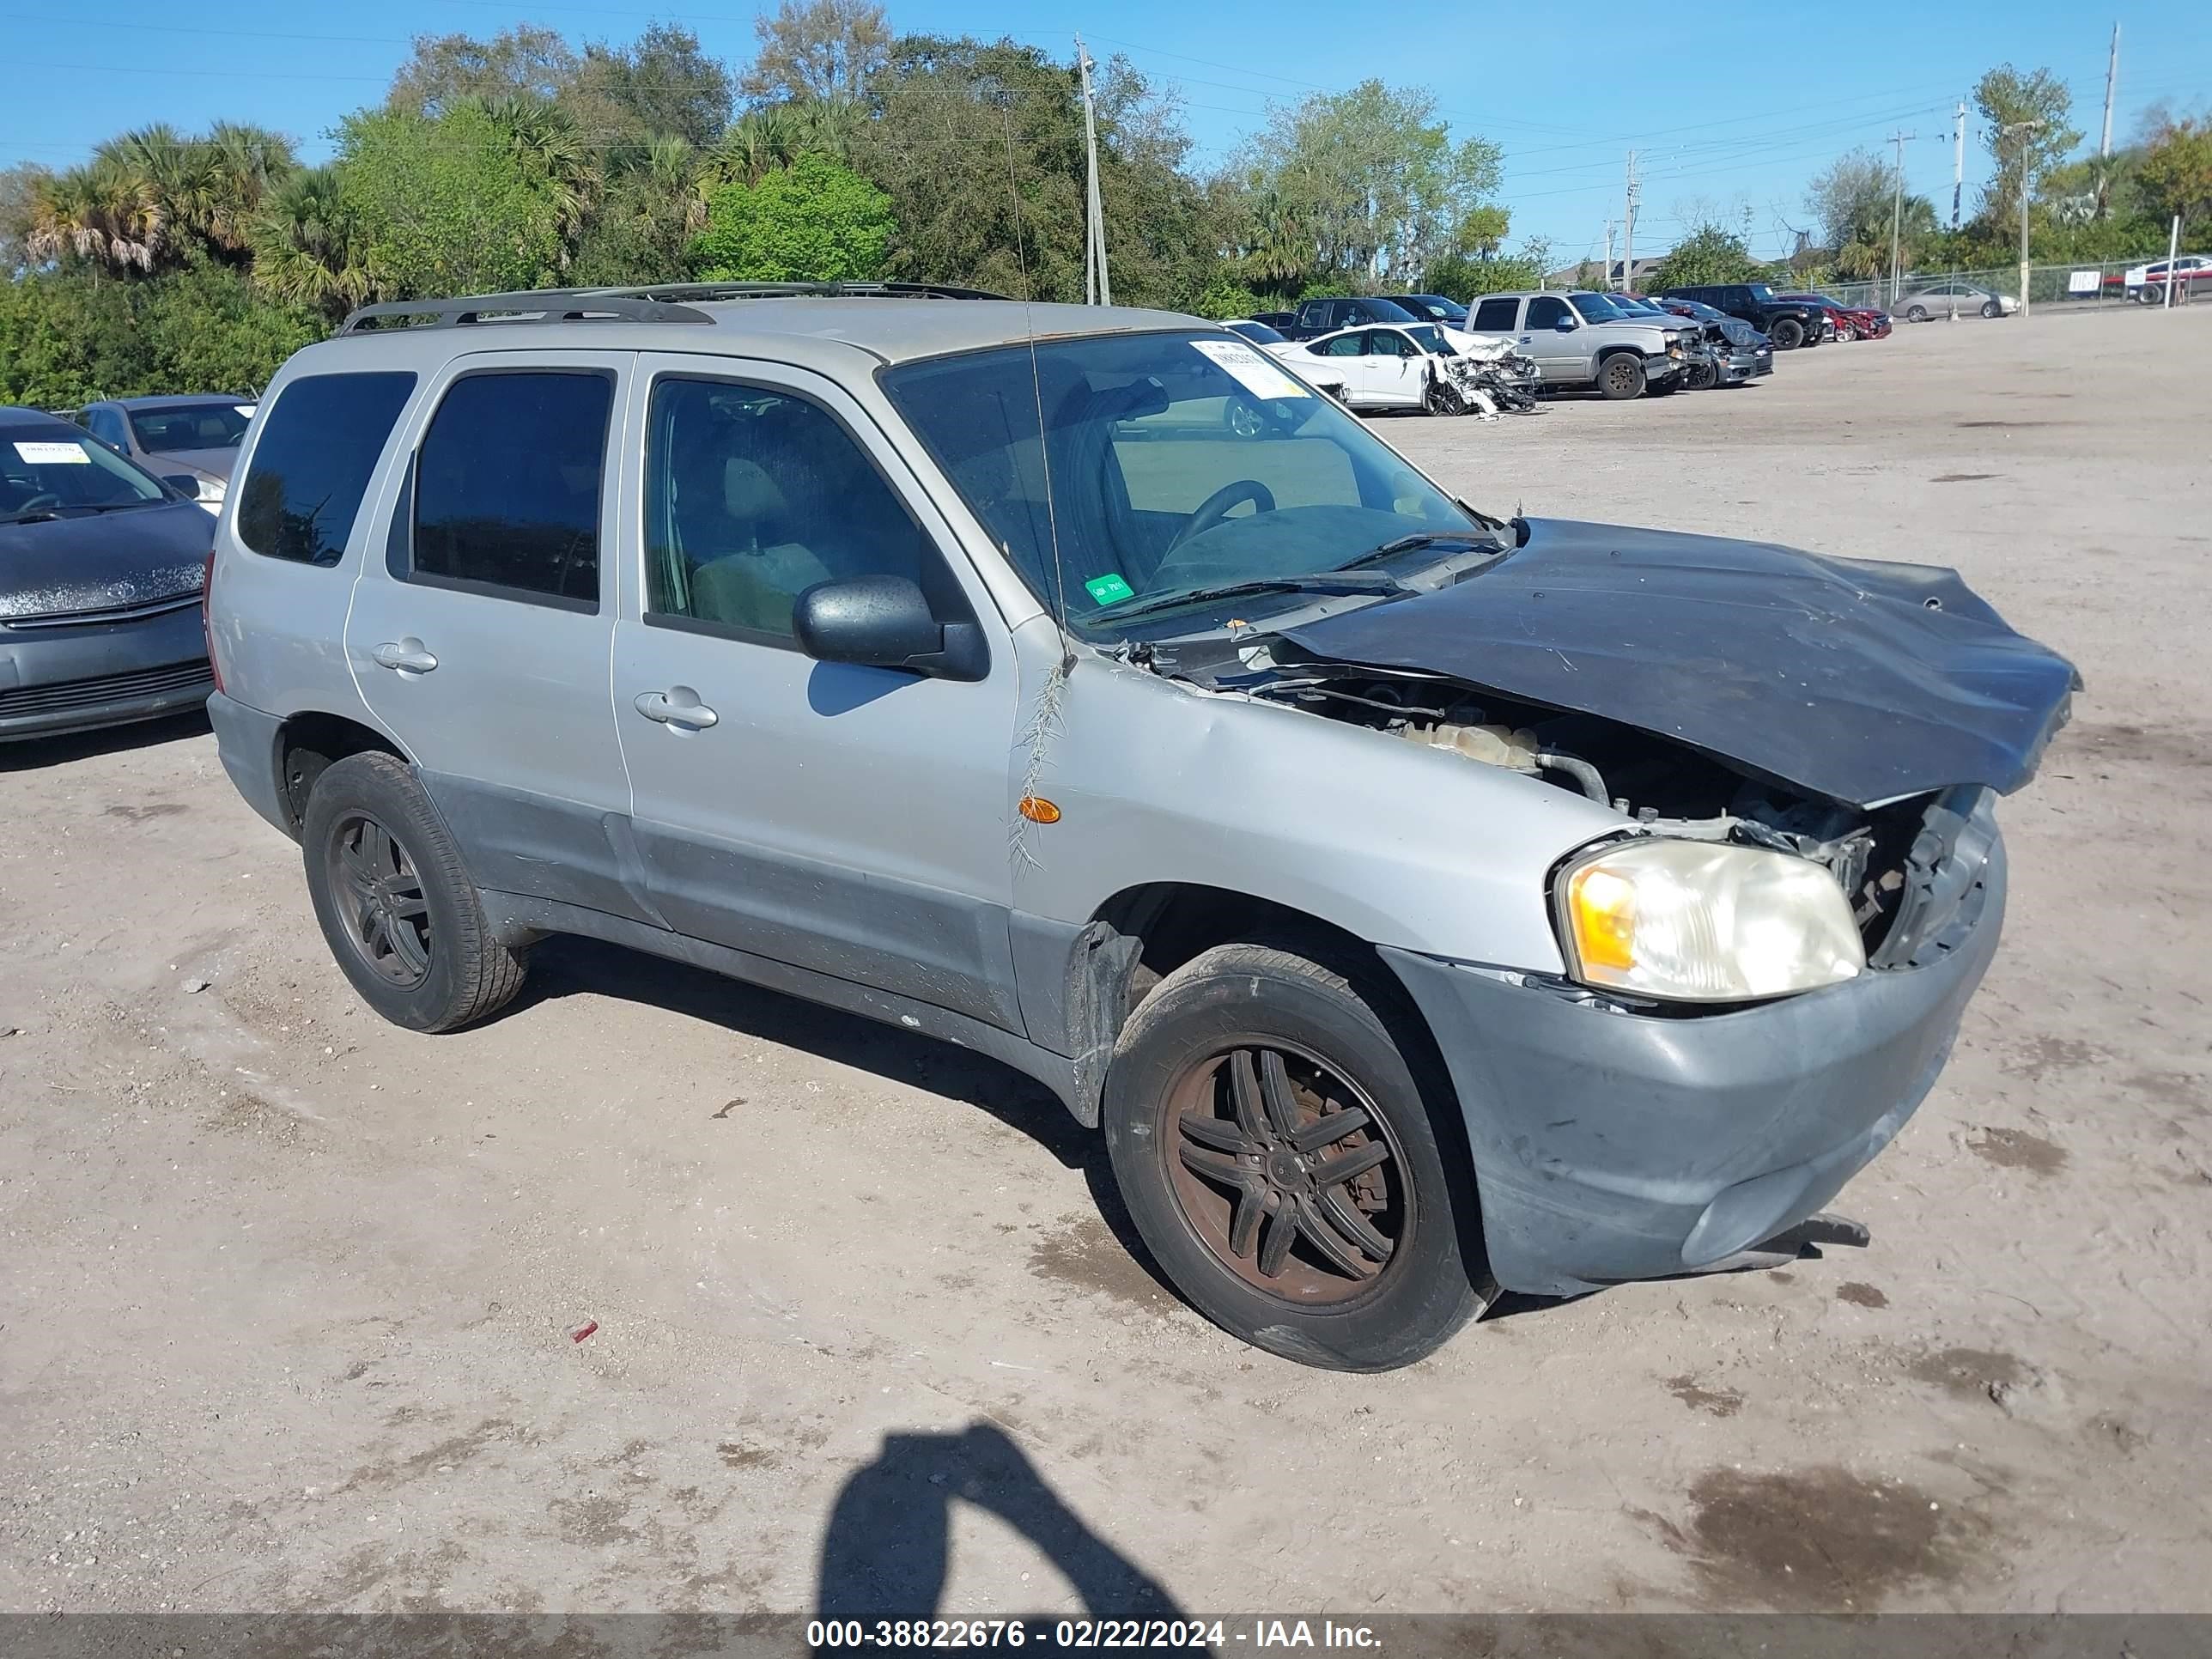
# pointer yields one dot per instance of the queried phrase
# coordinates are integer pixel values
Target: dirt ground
(285, 1293)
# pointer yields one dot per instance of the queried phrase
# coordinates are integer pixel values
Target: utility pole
(1897, 218)
(1628, 229)
(2023, 128)
(1608, 253)
(1098, 290)
(2104, 144)
(1958, 188)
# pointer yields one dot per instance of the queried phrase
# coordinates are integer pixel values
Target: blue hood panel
(1859, 680)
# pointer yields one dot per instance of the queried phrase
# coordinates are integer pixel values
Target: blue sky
(1739, 120)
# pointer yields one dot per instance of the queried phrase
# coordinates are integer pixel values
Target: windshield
(1762, 294)
(50, 469)
(1258, 333)
(190, 426)
(1172, 462)
(1437, 305)
(1596, 308)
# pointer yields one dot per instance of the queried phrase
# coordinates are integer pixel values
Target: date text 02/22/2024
(1215, 1634)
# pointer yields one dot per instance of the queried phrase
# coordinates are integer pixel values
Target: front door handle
(678, 706)
(408, 656)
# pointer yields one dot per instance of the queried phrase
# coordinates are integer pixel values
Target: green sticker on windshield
(1109, 589)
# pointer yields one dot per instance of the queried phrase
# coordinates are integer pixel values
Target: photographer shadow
(887, 1550)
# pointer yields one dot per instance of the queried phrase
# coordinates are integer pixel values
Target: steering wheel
(40, 503)
(1215, 507)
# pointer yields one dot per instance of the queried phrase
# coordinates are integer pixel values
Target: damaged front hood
(1861, 681)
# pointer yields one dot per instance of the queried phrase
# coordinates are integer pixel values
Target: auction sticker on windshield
(1250, 370)
(63, 454)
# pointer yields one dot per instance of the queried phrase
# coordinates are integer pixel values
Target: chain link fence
(2060, 287)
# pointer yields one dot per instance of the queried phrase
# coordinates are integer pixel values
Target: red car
(1852, 322)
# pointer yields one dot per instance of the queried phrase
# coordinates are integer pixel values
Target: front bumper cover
(58, 677)
(1611, 1146)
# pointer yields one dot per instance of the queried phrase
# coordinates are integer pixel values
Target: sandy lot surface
(284, 1290)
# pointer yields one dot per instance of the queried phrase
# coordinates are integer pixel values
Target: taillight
(207, 618)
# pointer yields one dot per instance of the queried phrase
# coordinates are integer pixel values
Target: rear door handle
(678, 706)
(408, 656)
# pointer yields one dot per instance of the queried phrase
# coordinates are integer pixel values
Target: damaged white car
(1420, 902)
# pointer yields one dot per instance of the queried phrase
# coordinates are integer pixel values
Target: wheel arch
(309, 742)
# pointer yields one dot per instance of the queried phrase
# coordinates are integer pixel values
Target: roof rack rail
(657, 302)
(679, 292)
(544, 305)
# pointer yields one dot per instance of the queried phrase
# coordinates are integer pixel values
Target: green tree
(1710, 254)
(817, 49)
(980, 149)
(814, 220)
(661, 83)
(450, 206)
(446, 69)
(2008, 100)
(309, 247)
(642, 226)
(1372, 178)
(2175, 173)
(1462, 277)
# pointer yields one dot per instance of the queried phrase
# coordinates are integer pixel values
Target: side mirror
(1564, 326)
(885, 621)
(184, 484)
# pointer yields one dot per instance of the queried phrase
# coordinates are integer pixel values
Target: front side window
(752, 496)
(507, 480)
(311, 464)
(191, 426)
(1547, 311)
(49, 471)
(107, 426)
(1496, 316)
(1163, 463)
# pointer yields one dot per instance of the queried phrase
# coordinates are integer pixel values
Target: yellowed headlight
(1705, 921)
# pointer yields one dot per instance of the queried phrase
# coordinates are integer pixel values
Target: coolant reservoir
(1493, 745)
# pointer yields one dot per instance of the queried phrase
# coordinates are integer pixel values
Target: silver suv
(1585, 340)
(1420, 903)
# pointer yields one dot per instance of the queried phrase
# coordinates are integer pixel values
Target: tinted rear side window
(317, 446)
(507, 487)
(1496, 316)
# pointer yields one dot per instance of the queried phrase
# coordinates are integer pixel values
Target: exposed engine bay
(1891, 861)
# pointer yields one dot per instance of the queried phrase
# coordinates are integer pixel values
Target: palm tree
(828, 126)
(248, 164)
(758, 142)
(544, 137)
(306, 248)
(104, 211)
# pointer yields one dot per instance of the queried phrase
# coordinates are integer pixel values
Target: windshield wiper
(1409, 543)
(1325, 581)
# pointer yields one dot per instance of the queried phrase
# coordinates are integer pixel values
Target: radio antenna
(1044, 723)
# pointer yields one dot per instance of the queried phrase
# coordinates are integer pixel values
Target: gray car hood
(1861, 681)
(103, 561)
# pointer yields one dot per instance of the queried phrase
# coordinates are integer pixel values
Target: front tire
(1789, 333)
(1991, 309)
(395, 901)
(1281, 1159)
(1621, 377)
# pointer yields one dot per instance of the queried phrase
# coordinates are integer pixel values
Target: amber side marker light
(1037, 810)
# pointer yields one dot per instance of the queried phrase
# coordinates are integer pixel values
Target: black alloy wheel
(377, 897)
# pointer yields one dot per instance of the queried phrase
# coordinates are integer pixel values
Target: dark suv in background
(1315, 318)
(1787, 324)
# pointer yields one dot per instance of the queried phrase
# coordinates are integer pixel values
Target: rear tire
(1788, 333)
(1224, 1088)
(1916, 313)
(1621, 377)
(395, 901)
